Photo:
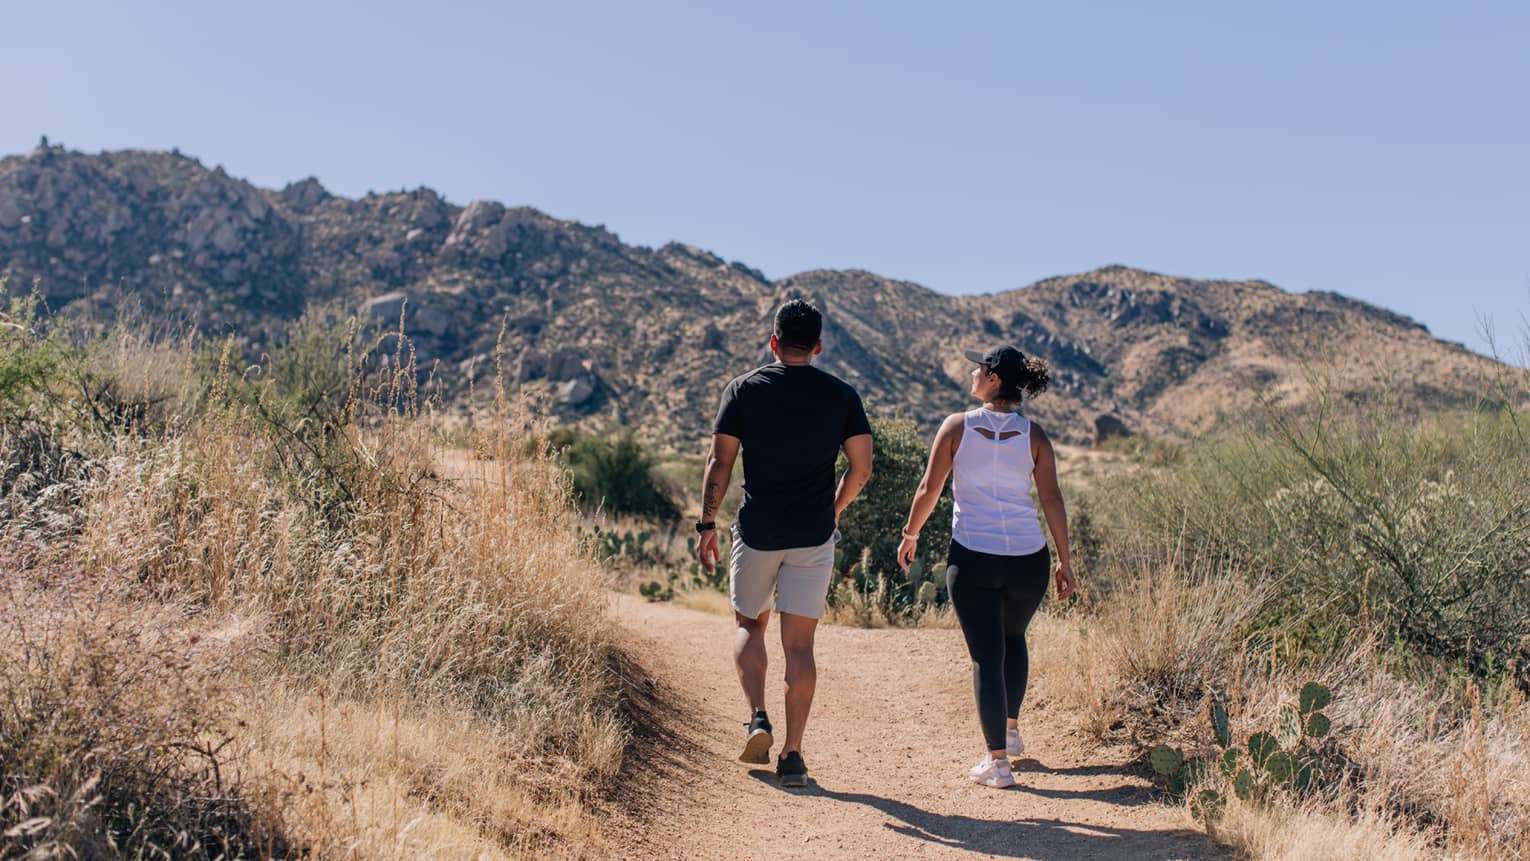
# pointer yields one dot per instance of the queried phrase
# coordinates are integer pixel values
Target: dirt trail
(892, 734)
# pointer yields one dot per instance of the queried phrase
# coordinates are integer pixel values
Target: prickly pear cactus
(1280, 766)
(1318, 725)
(1245, 784)
(1167, 761)
(1314, 696)
(916, 570)
(1208, 805)
(1219, 723)
(1288, 725)
(1260, 746)
(926, 594)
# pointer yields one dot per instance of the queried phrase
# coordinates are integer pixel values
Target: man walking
(791, 420)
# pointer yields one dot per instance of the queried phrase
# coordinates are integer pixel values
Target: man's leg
(749, 657)
(801, 675)
(803, 581)
(752, 582)
(751, 585)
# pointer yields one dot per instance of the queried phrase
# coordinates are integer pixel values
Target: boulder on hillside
(383, 309)
(577, 390)
(530, 365)
(1107, 426)
(565, 364)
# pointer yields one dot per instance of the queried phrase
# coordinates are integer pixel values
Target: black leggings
(995, 598)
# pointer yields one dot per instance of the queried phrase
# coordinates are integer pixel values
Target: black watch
(705, 525)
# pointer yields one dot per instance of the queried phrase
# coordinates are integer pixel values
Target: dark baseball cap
(1004, 360)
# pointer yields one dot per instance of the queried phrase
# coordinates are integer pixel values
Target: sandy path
(892, 734)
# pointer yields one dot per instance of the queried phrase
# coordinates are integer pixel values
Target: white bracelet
(908, 537)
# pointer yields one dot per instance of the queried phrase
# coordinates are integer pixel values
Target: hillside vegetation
(1384, 555)
(242, 615)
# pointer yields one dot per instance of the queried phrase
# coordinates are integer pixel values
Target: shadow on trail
(1031, 765)
(1023, 837)
(660, 723)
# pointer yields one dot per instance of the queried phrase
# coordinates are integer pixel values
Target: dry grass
(424, 663)
(1433, 769)
(704, 600)
(118, 728)
(375, 779)
(1311, 832)
(872, 608)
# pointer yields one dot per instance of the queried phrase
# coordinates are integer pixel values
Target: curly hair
(1031, 383)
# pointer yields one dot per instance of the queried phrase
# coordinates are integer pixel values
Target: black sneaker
(791, 769)
(757, 744)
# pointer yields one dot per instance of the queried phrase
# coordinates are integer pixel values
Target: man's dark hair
(798, 325)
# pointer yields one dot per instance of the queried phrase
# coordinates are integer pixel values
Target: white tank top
(991, 485)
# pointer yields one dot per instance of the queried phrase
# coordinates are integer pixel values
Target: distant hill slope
(603, 332)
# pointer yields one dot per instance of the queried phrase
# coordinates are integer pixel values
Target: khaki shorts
(798, 577)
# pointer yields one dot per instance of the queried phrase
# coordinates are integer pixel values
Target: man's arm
(858, 452)
(714, 486)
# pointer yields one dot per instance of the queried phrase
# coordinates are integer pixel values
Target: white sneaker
(1013, 745)
(992, 772)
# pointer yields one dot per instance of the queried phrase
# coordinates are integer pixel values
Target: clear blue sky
(1379, 149)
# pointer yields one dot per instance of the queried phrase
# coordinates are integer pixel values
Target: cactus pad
(1166, 760)
(1288, 726)
(1260, 746)
(1315, 696)
(1318, 725)
(926, 594)
(1230, 761)
(1244, 784)
(1307, 774)
(1207, 805)
(1280, 766)
(916, 570)
(1196, 770)
(1219, 723)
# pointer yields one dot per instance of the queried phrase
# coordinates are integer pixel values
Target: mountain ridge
(601, 332)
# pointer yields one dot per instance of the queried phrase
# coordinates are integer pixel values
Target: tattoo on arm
(711, 499)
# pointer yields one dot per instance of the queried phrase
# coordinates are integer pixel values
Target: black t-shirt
(791, 420)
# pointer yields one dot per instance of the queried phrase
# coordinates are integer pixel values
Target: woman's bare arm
(942, 453)
(1045, 477)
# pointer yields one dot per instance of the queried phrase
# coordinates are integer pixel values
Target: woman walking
(998, 563)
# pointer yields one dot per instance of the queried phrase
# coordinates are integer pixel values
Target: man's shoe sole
(794, 780)
(757, 748)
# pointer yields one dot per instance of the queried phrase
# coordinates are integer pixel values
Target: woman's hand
(906, 550)
(1064, 577)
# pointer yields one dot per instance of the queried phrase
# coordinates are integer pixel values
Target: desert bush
(871, 527)
(1420, 527)
(616, 477)
(29, 359)
(1385, 559)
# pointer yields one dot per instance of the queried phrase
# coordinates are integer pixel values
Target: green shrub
(29, 359)
(616, 477)
(874, 522)
(1420, 527)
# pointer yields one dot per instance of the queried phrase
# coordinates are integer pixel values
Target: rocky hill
(601, 332)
